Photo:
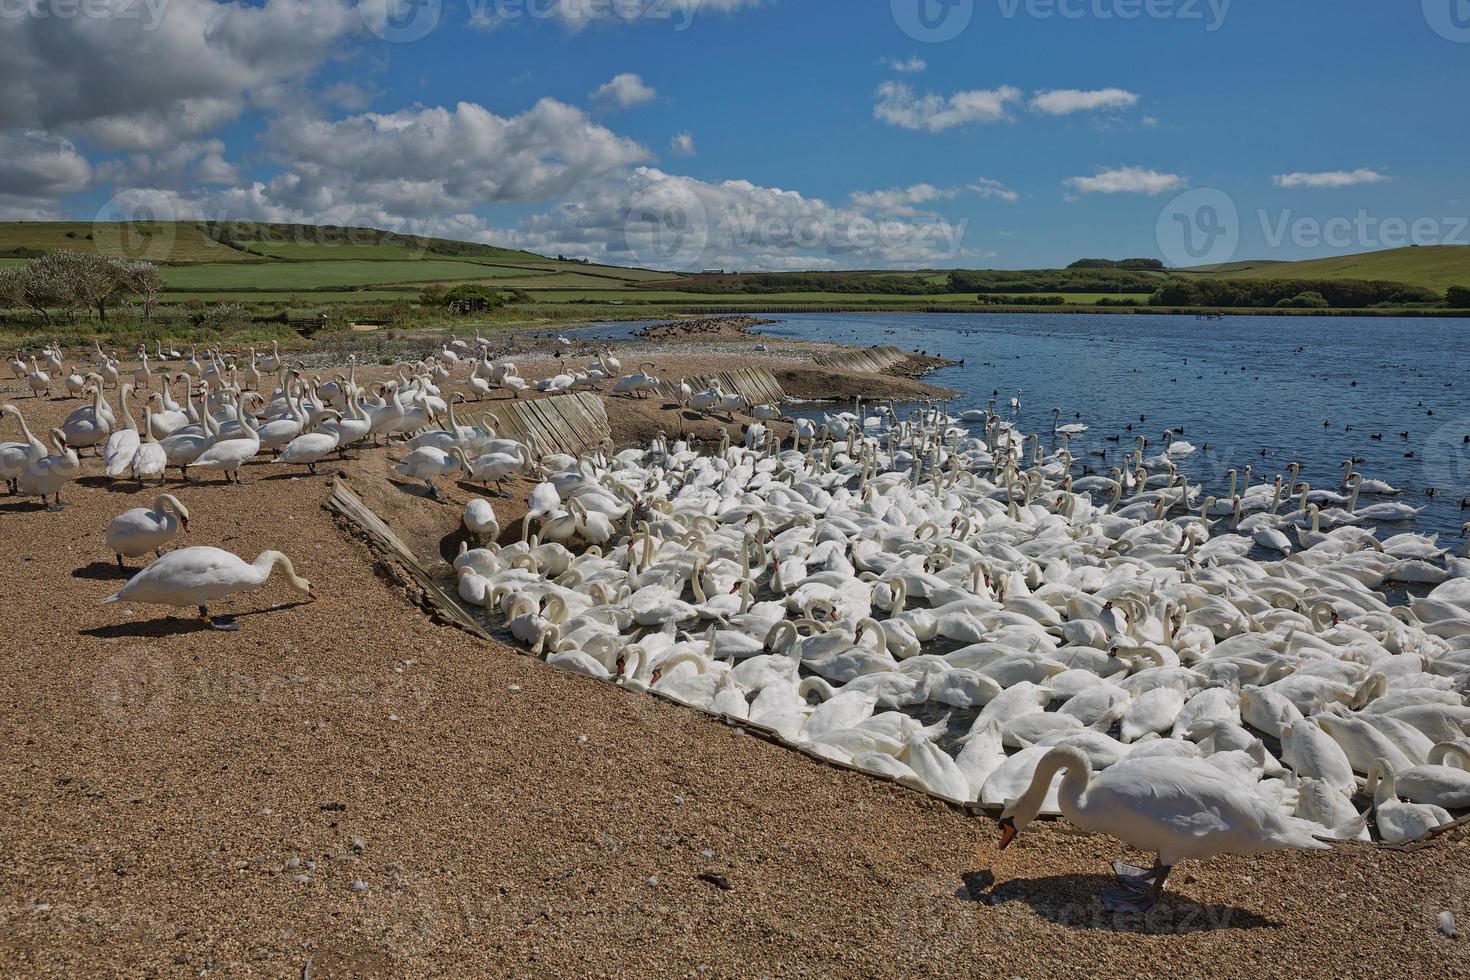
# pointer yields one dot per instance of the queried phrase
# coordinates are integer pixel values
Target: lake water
(1262, 391)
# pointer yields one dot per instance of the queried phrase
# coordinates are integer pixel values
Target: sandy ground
(344, 789)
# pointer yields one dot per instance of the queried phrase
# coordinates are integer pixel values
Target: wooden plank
(391, 550)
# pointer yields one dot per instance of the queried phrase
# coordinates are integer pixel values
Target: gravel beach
(343, 788)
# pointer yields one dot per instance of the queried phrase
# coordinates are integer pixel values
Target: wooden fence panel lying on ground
(569, 424)
(756, 385)
(391, 550)
(874, 360)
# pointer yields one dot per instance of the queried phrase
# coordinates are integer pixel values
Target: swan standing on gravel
(16, 457)
(639, 383)
(228, 455)
(1179, 809)
(310, 448)
(151, 460)
(38, 381)
(122, 445)
(46, 475)
(134, 533)
(198, 576)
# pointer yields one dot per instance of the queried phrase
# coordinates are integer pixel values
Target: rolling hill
(266, 266)
(1435, 266)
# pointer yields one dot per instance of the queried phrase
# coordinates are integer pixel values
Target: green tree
(1458, 298)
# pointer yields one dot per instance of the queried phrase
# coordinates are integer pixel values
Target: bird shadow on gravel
(109, 484)
(177, 625)
(1072, 901)
(104, 571)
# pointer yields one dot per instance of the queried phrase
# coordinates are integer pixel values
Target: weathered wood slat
(572, 423)
(756, 385)
(874, 360)
(391, 550)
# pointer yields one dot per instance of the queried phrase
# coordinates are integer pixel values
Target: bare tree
(143, 280)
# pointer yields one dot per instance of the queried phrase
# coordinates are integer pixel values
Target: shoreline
(346, 787)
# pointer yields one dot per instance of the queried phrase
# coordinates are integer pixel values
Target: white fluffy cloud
(425, 160)
(37, 170)
(41, 165)
(136, 76)
(1330, 178)
(577, 15)
(907, 66)
(651, 218)
(1127, 180)
(1063, 102)
(901, 201)
(994, 190)
(682, 145)
(623, 91)
(898, 104)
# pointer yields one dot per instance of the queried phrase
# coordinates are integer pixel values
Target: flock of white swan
(920, 596)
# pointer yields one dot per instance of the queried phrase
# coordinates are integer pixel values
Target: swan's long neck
(1445, 751)
(1073, 788)
(1382, 785)
(122, 397)
(266, 563)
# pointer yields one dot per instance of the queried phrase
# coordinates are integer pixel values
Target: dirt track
(166, 786)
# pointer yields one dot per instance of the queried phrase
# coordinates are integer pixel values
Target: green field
(305, 275)
(364, 273)
(175, 241)
(1435, 266)
(317, 252)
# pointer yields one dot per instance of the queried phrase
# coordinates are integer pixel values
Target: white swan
(1178, 809)
(16, 457)
(1437, 783)
(46, 475)
(1399, 822)
(480, 520)
(134, 533)
(200, 575)
(122, 445)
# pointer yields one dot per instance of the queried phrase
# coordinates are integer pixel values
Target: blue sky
(745, 134)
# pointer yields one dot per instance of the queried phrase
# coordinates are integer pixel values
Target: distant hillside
(1435, 266)
(183, 242)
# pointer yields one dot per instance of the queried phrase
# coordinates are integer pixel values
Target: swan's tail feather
(115, 597)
